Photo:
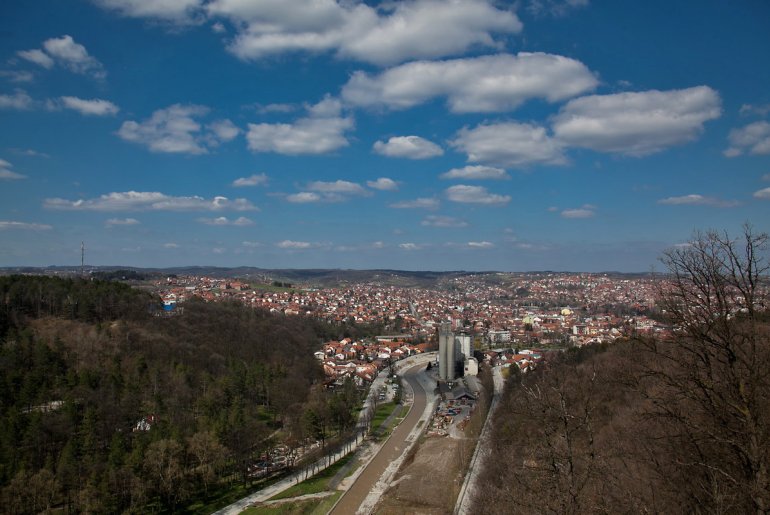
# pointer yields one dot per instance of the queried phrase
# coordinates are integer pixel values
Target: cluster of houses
(362, 360)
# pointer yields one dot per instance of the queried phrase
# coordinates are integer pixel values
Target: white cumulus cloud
(93, 107)
(177, 11)
(18, 100)
(176, 129)
(695, 199)
(587, 211)
(478, 84)
(224, 130)
(149, 201)
(321, 132)
(383, 184)
(37, 56)
(7, 174)
(223, 220)
(637, 123)
(763, 194)
(328, 191)
(67, 53)
(411, 147)
(290, 244)
(253, 180)
(475, 173)
(753, 139)
(24, 226)
(443, 221)
(385, 34)
(509, 144)
(303, 197)
(112, 222)
(419, 203)
(475, 195)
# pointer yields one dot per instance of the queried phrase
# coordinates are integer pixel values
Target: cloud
(19, 100)
(419, 203)
(509, 144)
(475, 195)
(171, 245)
(587, 211)
(175, 130)
(555, 8)
(697, 200)
(475, 173)
(636, 124)
(223, 220)
(38, 57)
(409, 246)
(289, 244)
(121, 221)
(341, 187)
(481, 244)
(251, 244)
(759, 110)
(766, 177)
(321, 132)
(224, 130)
(443, 221)
(23, 226)
(18, 75)
(94, 107)
(753, 138)
(763, 194)
(333, 191)
(65, 52)
(383, 35)
(411, 147)
(177, 11)
(273, 108)
(149, 201)
(30, 152)
(7, 174)
(383, 184)
(479, 84)
(303, 197)
(253, 180)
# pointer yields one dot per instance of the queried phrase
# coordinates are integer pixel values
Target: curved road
(352, 499)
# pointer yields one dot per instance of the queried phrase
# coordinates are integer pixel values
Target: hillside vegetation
(650, 426)
(106, 407)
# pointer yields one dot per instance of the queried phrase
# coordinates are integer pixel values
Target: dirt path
(351, 501)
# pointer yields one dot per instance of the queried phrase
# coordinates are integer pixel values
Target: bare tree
(712, 390)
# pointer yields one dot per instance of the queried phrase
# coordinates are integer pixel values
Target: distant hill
(314, 277)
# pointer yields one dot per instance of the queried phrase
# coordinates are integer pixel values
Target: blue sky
(421, 135)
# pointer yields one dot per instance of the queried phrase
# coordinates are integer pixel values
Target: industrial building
(454, 354)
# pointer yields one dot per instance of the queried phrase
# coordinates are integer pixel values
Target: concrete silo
(446, 353)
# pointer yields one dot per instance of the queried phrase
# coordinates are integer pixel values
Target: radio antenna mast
(82, 259)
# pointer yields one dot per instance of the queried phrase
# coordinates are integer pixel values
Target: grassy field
(315, 484)
(382, 413)
(318, 506)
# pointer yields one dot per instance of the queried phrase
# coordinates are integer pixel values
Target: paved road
(351, 500)
(463, 504)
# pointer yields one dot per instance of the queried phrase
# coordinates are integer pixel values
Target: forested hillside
(106, 407)
(680, 425)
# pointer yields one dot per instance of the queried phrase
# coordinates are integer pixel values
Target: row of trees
(674, 426)
(107, 408)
